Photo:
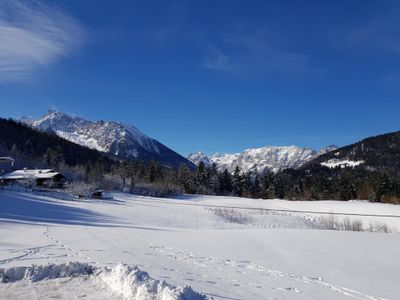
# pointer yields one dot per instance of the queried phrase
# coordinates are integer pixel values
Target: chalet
(37, 177)
(7, 160)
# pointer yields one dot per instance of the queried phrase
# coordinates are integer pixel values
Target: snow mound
(132, 283)
(126, 281)
(37, 273)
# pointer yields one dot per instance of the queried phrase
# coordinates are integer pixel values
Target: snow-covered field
(102, 249)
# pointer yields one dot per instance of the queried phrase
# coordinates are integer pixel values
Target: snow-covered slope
(107, 136)
(223, 247)
(269, 158)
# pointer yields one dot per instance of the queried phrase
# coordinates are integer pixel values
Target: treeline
(315, 183)
(318, 183)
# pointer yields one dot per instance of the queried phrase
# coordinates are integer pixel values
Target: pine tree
(225, 180)
(382, 187)
(215, 185)
(237, 182)
(201, 175)
(186, 179)
(247, 183)
(88, 172)
(153, 171)
(98, 174)
(123, 171)
(255, 188)
(54, 157)
(267, 188)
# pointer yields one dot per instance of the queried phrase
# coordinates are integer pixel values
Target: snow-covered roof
(36, 174)
(6, 159)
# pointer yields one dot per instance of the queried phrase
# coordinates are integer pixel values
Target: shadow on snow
(25, 208)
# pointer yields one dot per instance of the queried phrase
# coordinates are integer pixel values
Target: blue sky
(217, 76)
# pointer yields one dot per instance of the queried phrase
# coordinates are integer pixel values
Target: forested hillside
(29, 147)
(380, 152)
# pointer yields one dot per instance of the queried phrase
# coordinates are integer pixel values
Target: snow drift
(132, 283)
(36, 273)
(126, 281)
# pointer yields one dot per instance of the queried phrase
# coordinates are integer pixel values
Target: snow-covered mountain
(263, 159)
(107, 136)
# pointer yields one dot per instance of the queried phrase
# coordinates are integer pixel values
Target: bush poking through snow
(332, 222)
(379, 227)
(156, 189)
(231, 215)
(80, 189)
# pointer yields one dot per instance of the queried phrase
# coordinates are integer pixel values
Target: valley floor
(206, 242)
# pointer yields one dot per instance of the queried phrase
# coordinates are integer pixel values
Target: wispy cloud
(215, 59)
(253, 51)
(34, 35)
(378, 34)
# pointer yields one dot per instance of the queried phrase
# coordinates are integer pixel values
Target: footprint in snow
(290, 289)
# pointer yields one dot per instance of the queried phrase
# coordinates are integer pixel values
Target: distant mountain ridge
(111, 137)
(260, 160)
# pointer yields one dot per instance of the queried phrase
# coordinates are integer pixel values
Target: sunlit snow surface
(222, 252)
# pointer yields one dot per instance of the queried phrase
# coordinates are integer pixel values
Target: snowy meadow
(196, 247)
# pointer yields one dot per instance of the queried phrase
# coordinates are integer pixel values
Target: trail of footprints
(245, 267)
(70, 250)
(23, 254)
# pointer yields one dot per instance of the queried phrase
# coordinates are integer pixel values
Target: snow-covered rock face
(327, 149)
(107, 136)
(271, 158)
(198, 157)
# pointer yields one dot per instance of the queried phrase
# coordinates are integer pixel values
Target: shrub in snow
(156, 189)
(380, 227)
(332, 222)
(231, 215)
(79, 189)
